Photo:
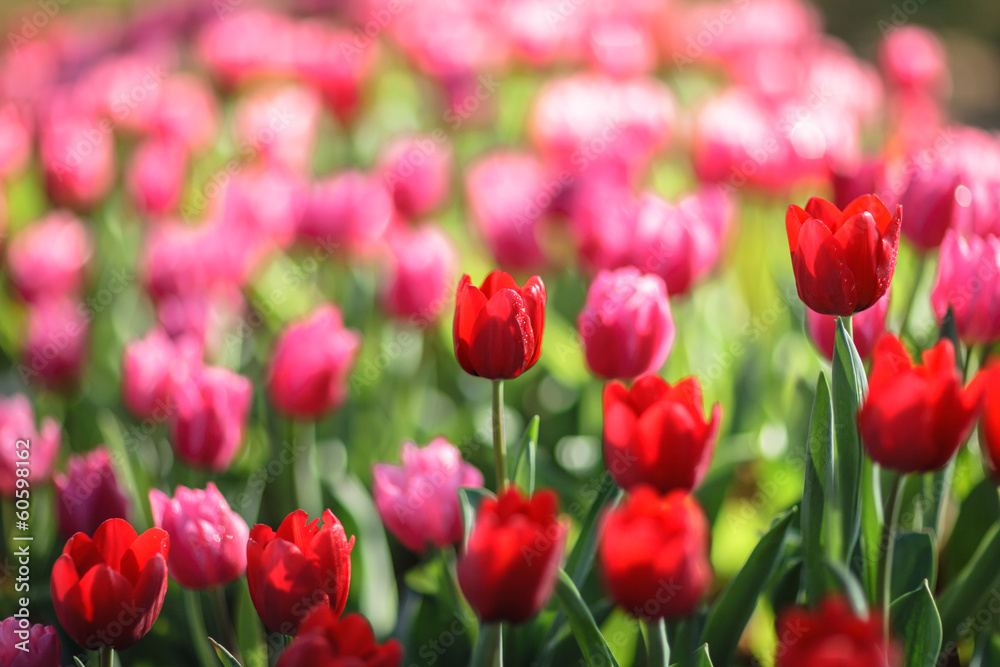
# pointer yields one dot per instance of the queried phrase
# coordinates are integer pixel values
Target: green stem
(454, 595)
(499, 444)
(848, 321)
(487, 646)
(308, 491)
(914, 288)
(657, 647)
(884, 588)
(196, 623)
(221, 609)
(107, 656)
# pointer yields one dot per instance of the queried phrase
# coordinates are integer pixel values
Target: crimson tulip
(108, 590)
(988, 383)
(915, 417)
(654, 554)
(498, 327)
(656, 434)
(324, 639)
(832, 635)
(843, 260)
(302, 565)
(508, 570)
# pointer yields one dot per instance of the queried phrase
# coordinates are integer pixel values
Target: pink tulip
(146, 366)
(620, 43)
(310, 365)
(351, 208)
(420, 273)
(17, 424)
(416, 171)
(15, 139)
(865, 178)
(41, 644)
(626, 324)
(155, 177)
(208, 541)
(867, 327)
(418, 501)
(206, 317)
(48, 258)
(913, 59)
(246, 45)
(278, 127)
(89, 493)
(537, 40)
(332, 61)
(603, 217)
(681, 243)
(968, 282)
(187, 112)
(510, 195)
(56, 342)
(78, 160)
(209, 410)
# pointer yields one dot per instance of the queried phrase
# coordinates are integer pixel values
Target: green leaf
(225, 656)
(702, 658)
(487, 645)
(79, 663)
(712, 491)
(249, 631)
(818, 487)
(967, 594)
(731, 612)
(849, 387)
(470, 498)
(581, 556)
(871, 525)
(979, 510)
(916, 564)
(523, 473)
(657, 646)
(848, 584)
(581, 622)
(915, 622)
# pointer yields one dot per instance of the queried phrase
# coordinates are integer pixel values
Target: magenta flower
(16, 133)
(209, 410)
(282, 122)
(968, 281)
(603, 216)
(208, 541)
(421, 267)
(418, 501)
(155, 176)
(417, 171)
(913, 60)
(56, 342)
(146, 366)
(17, 424)
(868, 327)
(626, 324)
(40, 644)
(350, 209)
(49, 258)
(89, 493)
(78, 160)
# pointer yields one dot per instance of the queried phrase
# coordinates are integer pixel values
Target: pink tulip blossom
(146, 366)
(21, 441)
(55, 345)
(351, 209)
(89, 493)
(209, 411)
(41, 644)
(968, 282)
(416, 170)
(420, 272)
(48, 258)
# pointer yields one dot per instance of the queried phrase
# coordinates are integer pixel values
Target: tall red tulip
(508, 571)
(654, 554)
(832, 635)
(108, 591)
(915, 417)
(498, 327)
(302, 565)
(324, 639)
(843, 260)
(656, 434)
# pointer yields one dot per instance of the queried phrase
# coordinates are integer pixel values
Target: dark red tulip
(498, 327)
(843, 261)
(654, 554)
(988, 383)
(108, 591)
(832, 636)
(508, 571)
(657, 434)
(324, 639)
(915, 417)
(303, 565)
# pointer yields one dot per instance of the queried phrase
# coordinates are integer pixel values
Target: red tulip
(843, 261)
(508, 571)
(654, 554)
(988, 382)
(108, 591)
(832, 636)
(498, 327)
(656, 434)
(325, 640)
(303, 565)
(915, 417)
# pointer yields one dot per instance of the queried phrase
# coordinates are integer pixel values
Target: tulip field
(398, 333)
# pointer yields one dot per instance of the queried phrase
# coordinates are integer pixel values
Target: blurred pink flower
(155, 177)
(335, 62)
(17, 423)
(420, 274)
(208, 541)
(125, 91)
(626, 324)
(89, 493)
(868, 327)
(16, 135)
(865, 178)
(248, 44)
(206, 317)
(536, 38)
(209, 407)
(418, 501)
(620, 41)
(146, 365)
(55, 345)
(186, 112)
(350, 209)
(48, 258)
(78, 159)
(311, 363)
(968, 282)
(913, 59)
(603, 215)
(417, 171)
(277, 127)
(40, 642)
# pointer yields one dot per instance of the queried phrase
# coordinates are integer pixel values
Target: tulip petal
(825, 211)
(795, 217)
(873, 205)
(891, 358)
(502, 339)
(646, 391)
(859, 238)
(107, 596)
(822, 276)
(295, 529)
(154, 542)
(469, 303)
(112, 539)
(148, 595)
(533, 294)
(496, 281)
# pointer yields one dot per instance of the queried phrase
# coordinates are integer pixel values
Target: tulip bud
(156, 176)
(325, 639)
(89, 493)
(208, 412)
(48, 259)
(912, 59)
(420, 272)
(832, 634)
(416, 171)
(78, 160)
(146, 366)
(968, 282)
(508, 569)
(56, 342)
(28, 645)
(21, 441)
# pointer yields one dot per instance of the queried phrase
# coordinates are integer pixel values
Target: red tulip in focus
(968, 282)
(656, 434)
(311, 363)
(88, 494)
(421, 265)
(48, 258)
(654, 554)
(21, 441)
(626, 325)
(209, 407)
(301, 566)
(915, 417)
(324, 639)
(23, 644)
(498, 327)
(843, 261)
(832, 635)
(108, 591)
(868, 327)
(508, 570)
(208, 541)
